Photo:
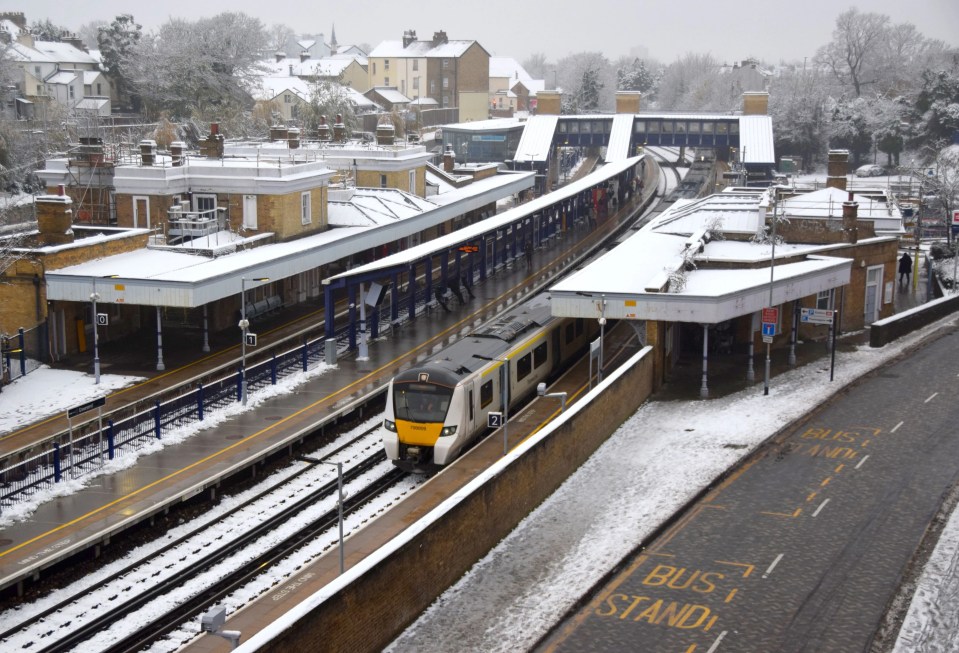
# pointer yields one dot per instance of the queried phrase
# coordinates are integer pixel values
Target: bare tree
(280, 37)
(855, 52)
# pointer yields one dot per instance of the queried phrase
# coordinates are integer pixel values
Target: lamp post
(244, 326)
(772, 266)
(94, 297)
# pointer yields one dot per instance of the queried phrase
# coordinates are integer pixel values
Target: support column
(394, 298)
(329, 313)
(206, 330)
(482, 248)
(795, 329)
(444, 269)
(160, 365)
(704, 389)
(412, 293)
(351, 326)
(428, 279)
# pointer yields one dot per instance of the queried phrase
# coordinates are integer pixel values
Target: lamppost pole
(772, 265)
(94, 296)
(244, 325)
(602, 331)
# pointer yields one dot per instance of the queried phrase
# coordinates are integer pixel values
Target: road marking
(931, 397)
(715, 645)
(821, 506)
(862, 461)
(896, 427)
(773, 565)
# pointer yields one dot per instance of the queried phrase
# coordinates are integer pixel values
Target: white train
(437, 408)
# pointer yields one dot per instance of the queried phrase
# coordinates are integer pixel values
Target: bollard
(330, 351)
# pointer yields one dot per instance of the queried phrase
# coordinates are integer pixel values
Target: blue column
(156, 419)
(329, 312)
(412, 293)
(111, 440)
(444, 268)
(351, 293)
(482, 250)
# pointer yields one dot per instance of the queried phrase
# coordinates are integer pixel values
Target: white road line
(931, 397)
(862, 461)
(715, 645)
(773, 565)
(821, 506)
(896, 427)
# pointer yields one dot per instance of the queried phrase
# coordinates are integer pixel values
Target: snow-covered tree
(942, 160)
(586, 79)
(47, 30)
(855, 53)
(797, 107)
(89, 32)
(633, 75)
(850, 127)
(538, 66)
(694, 83)
(280, 37)
(118, 44)
(329, 98)
(935, 114)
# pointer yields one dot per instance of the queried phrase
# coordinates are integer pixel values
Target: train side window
(524, 366)
(570, 332)
(539, 354)
(486, 394)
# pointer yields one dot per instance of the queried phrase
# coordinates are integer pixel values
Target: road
(804, 547)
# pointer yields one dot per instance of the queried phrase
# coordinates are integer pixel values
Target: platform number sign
(251, 340)
(103, 319)
(494, 420)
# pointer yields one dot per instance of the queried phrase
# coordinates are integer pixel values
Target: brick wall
(358, 619)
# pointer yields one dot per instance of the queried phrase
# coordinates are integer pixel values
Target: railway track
(129, 607)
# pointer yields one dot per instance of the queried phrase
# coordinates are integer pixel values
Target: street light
(94, 298)
(244, 325)
(541, 391)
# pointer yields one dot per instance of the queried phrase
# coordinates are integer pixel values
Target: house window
(71, 91)
(99, 89)
(374, 67)
(386, 65)
(386, 81)
(416, 64)
(306, 216)
(205, 205)
(446, 82)
(432, 86)
(446, 63)
(36, 72)
(413, 181)
(287, 99)
(249, 211)
(382, 181)
(446, 101)
(824, 299)
(416, 83)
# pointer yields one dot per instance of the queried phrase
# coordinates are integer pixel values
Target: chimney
(449, 159)
(54, 218)
(293, 138)
(409, 36)
(385, 133)
(755, 103)
(837, 168)
(439, 38)
(212, 145)
(850, 228)
(339, 129)
(323, 130)
(176, 153)
(280, 56)
(304, 55)
(628, 101)
(148, 151)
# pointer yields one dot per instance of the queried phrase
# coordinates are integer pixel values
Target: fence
(20, 353)
(89, 445)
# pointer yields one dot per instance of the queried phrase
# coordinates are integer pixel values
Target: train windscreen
(421, 402)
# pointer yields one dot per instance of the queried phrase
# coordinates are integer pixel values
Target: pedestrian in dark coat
(905, 268)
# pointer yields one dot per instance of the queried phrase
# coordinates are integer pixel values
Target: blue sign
(769, 328)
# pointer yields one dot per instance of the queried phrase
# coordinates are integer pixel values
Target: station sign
(103, 319)
(250, 339)
(494, 420)
(770, 320)
(82, 408)
(816, 316)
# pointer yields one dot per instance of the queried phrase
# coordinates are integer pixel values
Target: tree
(694, 83)
(943, 160)
(855, 51)
(849, 127)
(89, 33)
(583, 77)
(889, 134)
(633, 75)
(45, 30)
(280, 37)
(329, 98)
(935, 114)
(537, 65)
(118, 46)
(797, 106)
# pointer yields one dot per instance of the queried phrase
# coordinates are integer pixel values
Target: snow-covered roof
(416, 49)
(62, 77)
(93, 103)
(619, 137)
(424, 102)
(756, 139)
(537, 139)
(484, 125)
(57, 52)
(391, 94)
(369, 207)
(270, 87)
(90, 76)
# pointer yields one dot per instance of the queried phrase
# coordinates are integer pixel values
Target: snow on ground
(652, 465)
(45, 392)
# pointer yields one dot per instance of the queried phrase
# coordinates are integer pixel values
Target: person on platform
(905, 268)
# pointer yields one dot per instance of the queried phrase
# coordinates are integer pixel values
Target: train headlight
(447, 431)
(389, 426)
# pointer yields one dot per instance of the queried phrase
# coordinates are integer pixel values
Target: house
(388, 97)
(349, 70)
(454, 73)
(511, 88)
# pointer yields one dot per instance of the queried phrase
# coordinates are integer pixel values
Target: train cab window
(539, 354)
(734, 128)
(570, 333)
(574, 127)
(524, 366)
(486, 394)
(602, 127)
(680, 127)
(562, 128)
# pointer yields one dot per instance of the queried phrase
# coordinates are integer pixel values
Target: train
(436, 409)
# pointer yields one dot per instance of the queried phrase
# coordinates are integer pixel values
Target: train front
(418, 418)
